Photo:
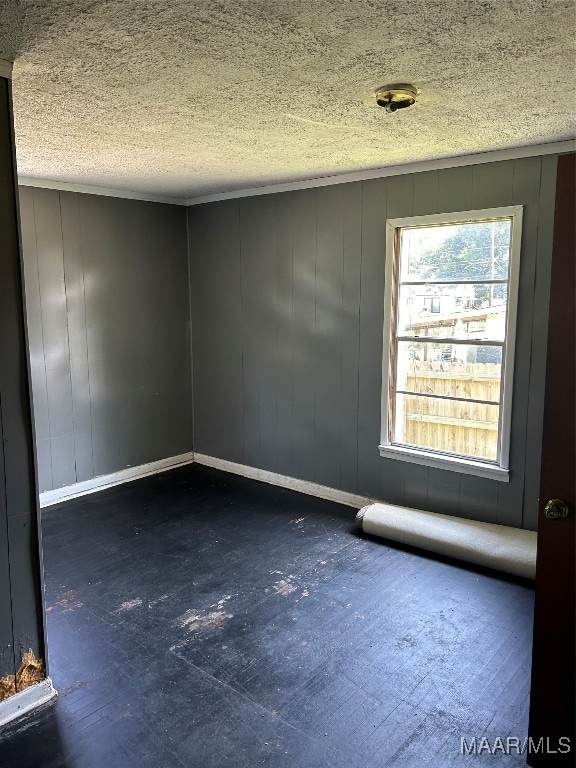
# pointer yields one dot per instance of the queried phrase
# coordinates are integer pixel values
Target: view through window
(449, 336)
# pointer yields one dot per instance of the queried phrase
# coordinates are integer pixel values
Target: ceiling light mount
(396, 96)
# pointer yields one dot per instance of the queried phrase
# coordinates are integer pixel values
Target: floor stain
(178, 646)
(128, 605)
(406, 641)
(196, 622)
(160, 599)
(67, 602)
(222, 602)
(285, 586)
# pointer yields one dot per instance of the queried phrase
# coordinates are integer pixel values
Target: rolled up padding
(512, 550)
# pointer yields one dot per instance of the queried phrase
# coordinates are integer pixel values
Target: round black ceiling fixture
(396, 96)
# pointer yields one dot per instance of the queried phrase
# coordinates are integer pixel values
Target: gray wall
(108, 322)
(21, 625)
(287, 312)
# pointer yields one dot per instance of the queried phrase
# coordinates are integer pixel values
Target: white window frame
(497, 470)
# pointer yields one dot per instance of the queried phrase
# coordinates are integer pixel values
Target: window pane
(450, 426)
(455, 311)
(450, 370)
(475, 251)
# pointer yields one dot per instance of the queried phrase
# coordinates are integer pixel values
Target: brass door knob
(555, 509)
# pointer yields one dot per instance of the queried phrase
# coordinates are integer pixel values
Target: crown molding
(496, 155)
(6, 69)
(88, 189)
(513, 153)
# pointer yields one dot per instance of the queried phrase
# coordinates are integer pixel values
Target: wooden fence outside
(452, 425)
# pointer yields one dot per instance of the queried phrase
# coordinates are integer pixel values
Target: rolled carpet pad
(512, 550)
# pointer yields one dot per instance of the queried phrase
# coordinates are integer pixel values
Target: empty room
(287, 397)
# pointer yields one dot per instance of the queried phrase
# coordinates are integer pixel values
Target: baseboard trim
(48, 498)
(25, 701)
(302, 486)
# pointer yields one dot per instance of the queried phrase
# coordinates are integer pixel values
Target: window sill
(452, 463)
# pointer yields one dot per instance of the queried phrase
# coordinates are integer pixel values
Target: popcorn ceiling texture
(190, 97)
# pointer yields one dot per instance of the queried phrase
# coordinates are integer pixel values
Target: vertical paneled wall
(108, 321)
(287, 311)
(21, 625)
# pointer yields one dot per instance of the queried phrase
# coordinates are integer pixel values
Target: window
(449, 329)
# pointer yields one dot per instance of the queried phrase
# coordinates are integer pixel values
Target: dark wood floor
(200, 619)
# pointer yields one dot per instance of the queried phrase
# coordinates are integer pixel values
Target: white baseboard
(27, 700)
(47, 498)
(303, 486)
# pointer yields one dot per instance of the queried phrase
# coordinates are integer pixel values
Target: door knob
(555, 509)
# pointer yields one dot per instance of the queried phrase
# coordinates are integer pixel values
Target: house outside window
(449, 336)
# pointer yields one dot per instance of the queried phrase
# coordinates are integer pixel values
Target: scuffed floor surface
(200, 619)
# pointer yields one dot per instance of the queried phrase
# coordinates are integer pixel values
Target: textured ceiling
(190, 97)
